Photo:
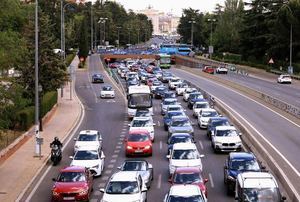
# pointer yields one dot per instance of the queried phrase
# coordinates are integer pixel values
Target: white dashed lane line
(114, 156)
(118, 147)
(117, 151)
(111, 166)
(201, 145)
(211, 180)
(159, 181)
(113, 160)
(160, 145)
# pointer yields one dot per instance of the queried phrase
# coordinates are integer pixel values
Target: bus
(164, 61)
(139, 97)
(173, 49)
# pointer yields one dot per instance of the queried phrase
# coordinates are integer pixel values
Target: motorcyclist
(56, 142)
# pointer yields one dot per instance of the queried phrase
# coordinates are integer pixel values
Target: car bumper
(138, 152)
(223, 148)
(70, 197)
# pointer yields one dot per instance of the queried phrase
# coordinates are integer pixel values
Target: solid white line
(201, 145)
(160, 145)
(211, 180)
(159, 181)
(48, 169)
(158, 123)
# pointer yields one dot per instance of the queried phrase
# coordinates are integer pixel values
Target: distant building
(162, 23)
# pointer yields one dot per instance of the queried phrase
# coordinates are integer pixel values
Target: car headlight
(83, 192)
(96, 166)
(230, 178)
(129, 147)
(55, 193)
(147, 147)
(217, 142)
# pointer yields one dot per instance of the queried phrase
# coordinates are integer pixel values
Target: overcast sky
(175, 6)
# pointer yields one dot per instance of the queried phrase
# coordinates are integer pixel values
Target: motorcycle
(56, 154)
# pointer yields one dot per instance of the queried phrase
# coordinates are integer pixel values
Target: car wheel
(229, 191)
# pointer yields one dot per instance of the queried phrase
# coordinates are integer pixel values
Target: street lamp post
(119, 36)
(103, 20)
(63, 30)
(192, 31)
(211, 20)
(92, 26)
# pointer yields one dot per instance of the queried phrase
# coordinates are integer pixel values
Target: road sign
(210, 49)
(39, 140)
(271, 61)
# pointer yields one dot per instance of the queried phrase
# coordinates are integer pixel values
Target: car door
(142, 186)
(226, 167)
(89, 178)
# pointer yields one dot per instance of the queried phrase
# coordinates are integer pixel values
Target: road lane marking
(113, 160)
(120, 143)
(118, 147)
(108, 171)
(160, 145)
(111, 166)
(101, 185)
(117, 151)
(159, 181)
(105, 178)
(211, 180)
(201, 145)
(123, 132)
(96, 193)
(114, 156)
(124, 129)
(158, 123)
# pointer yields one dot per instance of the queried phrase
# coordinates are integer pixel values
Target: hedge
(26, 117)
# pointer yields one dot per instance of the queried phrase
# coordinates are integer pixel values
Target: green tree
(83, 40)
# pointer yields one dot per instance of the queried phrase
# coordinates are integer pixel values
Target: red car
(150, 81)
(149, 69)
(73, 183)
(189, 175)
(138, 142)
(208, 69)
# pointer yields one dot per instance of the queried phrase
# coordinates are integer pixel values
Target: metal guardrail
(280, 72)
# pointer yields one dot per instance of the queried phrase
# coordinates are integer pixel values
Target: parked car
(144, 168)
(125, 186)
(208, 69)
(185, 192)
(88, 138)
(238, 162)
(97, 78)
(284, 78)
(184, 155)
(138, 142)
(189, 175)
(226, 139)
(107, 91)
(73, 183)
(90, 158)
(221, 70)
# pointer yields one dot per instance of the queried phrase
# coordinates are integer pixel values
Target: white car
(205, 115)
(186, 192)
(284, 78)
(175, 108)
(221, 70)
(156, 84)
(173, 82)
(125, 186)
(91, 158)
(184, 155)
(187, 92)
(107, 92)
(198, 106)
(88, 138)
(131, 75)
(180, 88)
(226, 139)
(143, 123)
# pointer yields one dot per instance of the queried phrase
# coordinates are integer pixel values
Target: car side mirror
(71, 157)
(263, 167)
(168, 156)
(75, 139)
(144, 189)
(101, 190)
(225, 167)
(205, 180)
(154, 124)
(128, 124)
(202, 155)
(150, 166)
(240, 134)
(102, 156)
(119, 167)
(53, 179)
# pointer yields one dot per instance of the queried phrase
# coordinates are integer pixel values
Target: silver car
(166, 102)
(180, 124)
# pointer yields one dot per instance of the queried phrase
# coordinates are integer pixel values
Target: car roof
(185, 190)
(170, 99)
(181, 135)
(73, 169)
(201, 102)
(89, 132)
(257, 180)
(184, 146)
(241, 155)
(138, 131)
(225, 128)
(188, 170)
(124, 176)
(182, 117)
(219, 118)
(142, 118)
(208, 110)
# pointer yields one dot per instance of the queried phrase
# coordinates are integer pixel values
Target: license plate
(69, 198)
(138, 151)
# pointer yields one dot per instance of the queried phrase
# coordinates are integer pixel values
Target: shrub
(26, 117)
(48, 101)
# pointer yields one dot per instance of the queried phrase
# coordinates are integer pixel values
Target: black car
(97, 78)
(238, 162)
(214, 122)
(168, 94)
(142, 113)
(159, 91)
(144, 168)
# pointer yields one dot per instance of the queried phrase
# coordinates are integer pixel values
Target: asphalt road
(289, 93)
(110, 118)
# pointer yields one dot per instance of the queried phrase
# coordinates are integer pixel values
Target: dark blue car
(159, 91)
(238, 162)
(214, 122)
(97, 78)
(168, 117)
(179, 138)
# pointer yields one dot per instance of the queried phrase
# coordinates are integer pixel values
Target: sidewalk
(19, 169)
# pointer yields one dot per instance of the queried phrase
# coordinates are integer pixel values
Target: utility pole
(119, 36)
(102, 20)
(291, 49)
(92, 26)
(192, 31)
(211, 20)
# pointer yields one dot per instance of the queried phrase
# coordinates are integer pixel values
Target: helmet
(56, 139)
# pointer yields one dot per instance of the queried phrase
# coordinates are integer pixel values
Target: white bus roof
(139, 89)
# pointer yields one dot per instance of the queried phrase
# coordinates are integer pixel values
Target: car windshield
(85, 137)
(209, 114)
(261, 195)
(179, 139)
(189, 90)
(156, 83)
(187, 178)
(185, 154)
(170, 102)
(138, 138)
(244, 165)
(170, 95)
(196, 198)
(161, 88)
(122, 187)
(142, 113)
(179, 123)
(71, 177)
(97, 75)
(141, 123)
(202, 105)
(220, 123)
(86, 155)
(167, 74)
(174, 113)
(135, 166)
(286, 77)
(139, 100)
(107, 88)
(226, 133)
